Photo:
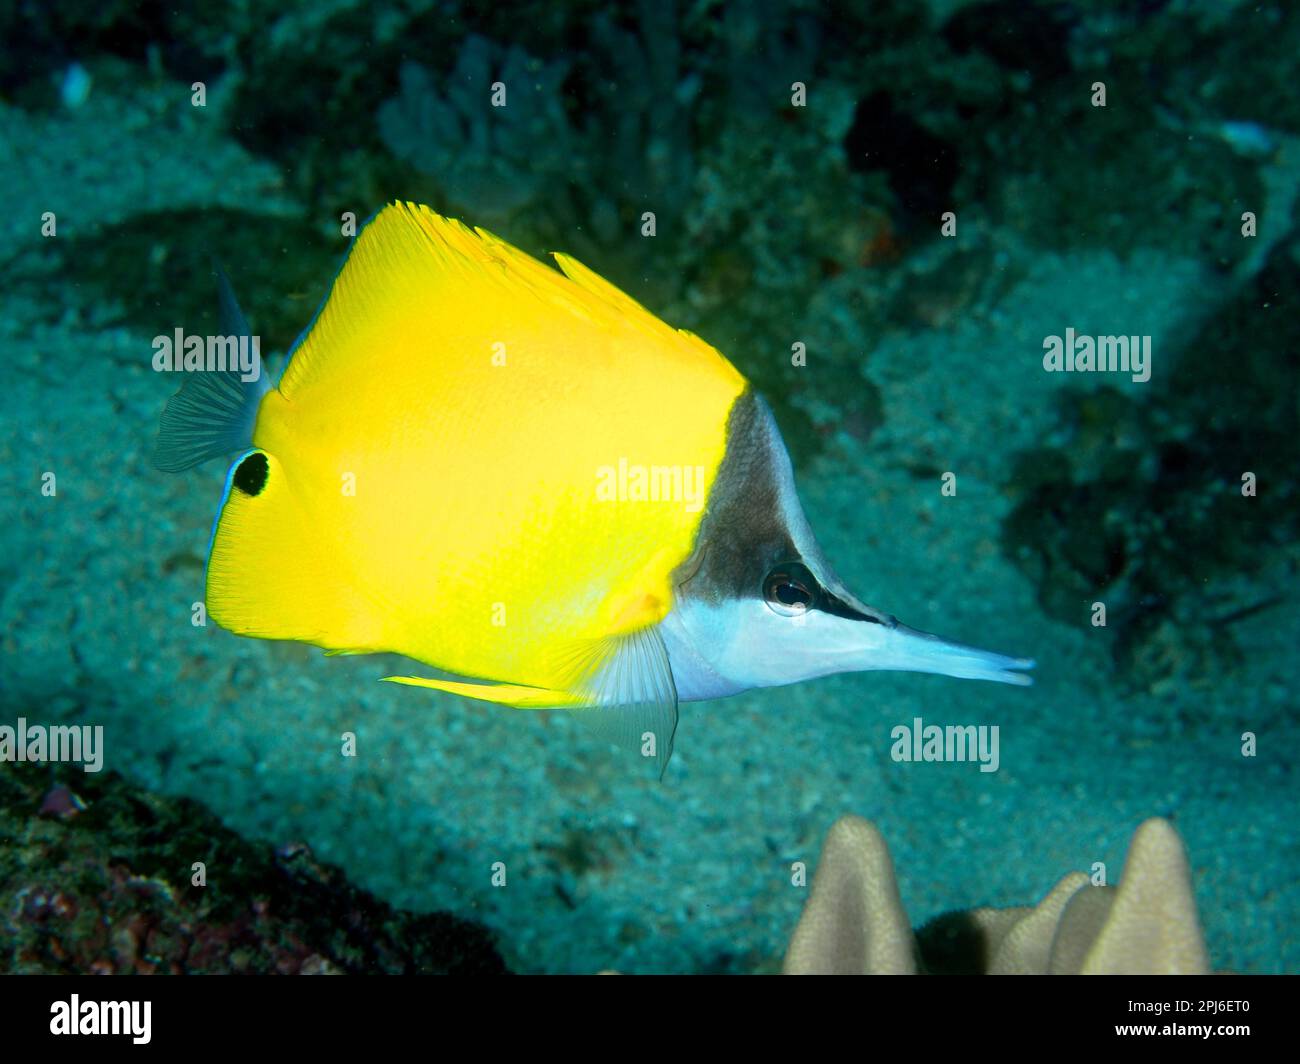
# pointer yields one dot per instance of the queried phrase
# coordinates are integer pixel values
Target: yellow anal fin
(507, 694)
(622, 686)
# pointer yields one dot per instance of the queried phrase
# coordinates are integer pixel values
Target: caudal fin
(213, 414)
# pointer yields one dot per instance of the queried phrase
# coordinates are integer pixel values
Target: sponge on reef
(855, 923)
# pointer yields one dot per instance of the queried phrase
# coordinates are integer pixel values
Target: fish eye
(790, 590)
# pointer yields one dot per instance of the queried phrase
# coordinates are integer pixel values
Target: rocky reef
(100, 877)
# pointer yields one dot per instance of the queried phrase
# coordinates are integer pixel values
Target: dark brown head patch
(743, 532)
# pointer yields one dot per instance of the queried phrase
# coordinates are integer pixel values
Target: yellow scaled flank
(471, 394)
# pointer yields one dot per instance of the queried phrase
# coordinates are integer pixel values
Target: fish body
(522, 478)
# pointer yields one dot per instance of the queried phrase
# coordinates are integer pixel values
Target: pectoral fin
(621, 685)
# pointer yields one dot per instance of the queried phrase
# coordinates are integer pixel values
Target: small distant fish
(1246, 138)
(524, 479)
(61, 803)
(1249, 139)
(74, 86)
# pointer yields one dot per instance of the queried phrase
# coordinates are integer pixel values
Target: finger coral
(855, 923)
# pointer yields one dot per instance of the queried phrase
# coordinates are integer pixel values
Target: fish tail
(214, 412)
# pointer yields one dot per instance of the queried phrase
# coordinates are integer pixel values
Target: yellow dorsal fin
(407, 256)
(623, 304)
(592, 282)
(408, 259)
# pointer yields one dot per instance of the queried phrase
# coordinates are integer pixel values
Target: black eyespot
(790, 589)
(250, 475)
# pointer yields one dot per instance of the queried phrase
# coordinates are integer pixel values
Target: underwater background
(140, 140)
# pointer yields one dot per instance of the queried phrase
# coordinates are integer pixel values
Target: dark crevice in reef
(96, 877)
(39, 38)
(158, 267)
(1141, 506)
(922, 168)
(1019, 37)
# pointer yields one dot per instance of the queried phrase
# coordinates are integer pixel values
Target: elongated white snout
(719, 650)
(901, 647)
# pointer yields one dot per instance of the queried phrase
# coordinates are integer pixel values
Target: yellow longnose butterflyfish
(521, 478)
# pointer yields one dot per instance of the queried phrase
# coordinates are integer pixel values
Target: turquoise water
(920, 198)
